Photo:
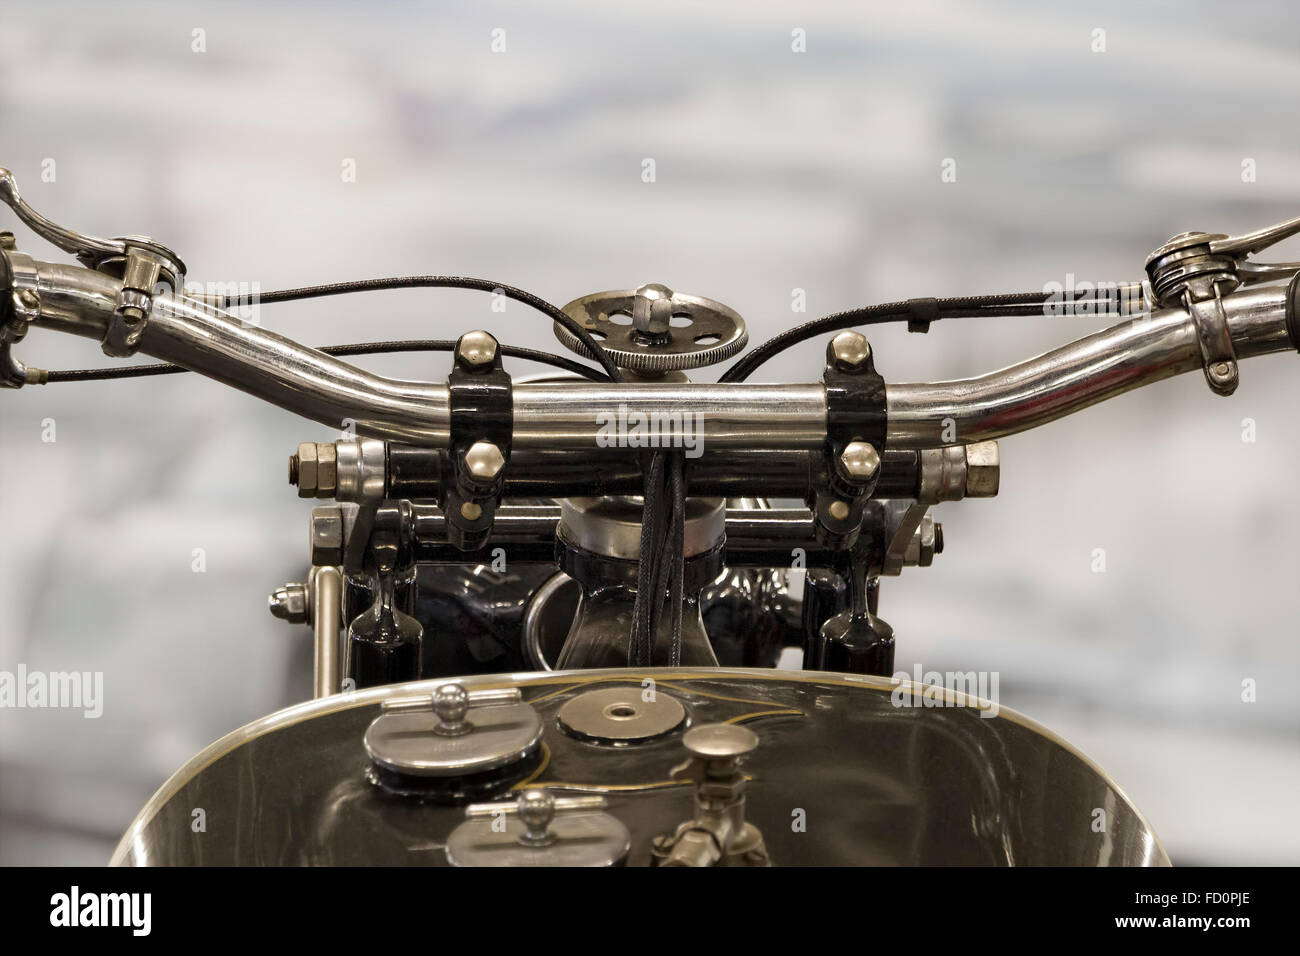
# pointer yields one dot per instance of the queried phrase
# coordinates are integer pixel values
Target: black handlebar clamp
(481, 426)
(856, 413)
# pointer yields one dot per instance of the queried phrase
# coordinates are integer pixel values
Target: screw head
(839, 510)
(484, 460)
(860, 460)
(471, 511)
(849, 351)
(476, 350)
(29, 299)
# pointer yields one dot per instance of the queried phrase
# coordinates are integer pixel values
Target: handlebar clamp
(856, 430)
(481, 426)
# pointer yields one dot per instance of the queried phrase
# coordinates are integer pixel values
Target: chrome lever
(1239, 247)
(1251, 272)
(1195, 270)
(1252, 242)
(144, 266)
(110, 256)
(89, 249)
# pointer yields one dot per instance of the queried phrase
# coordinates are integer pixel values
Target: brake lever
(144, 266)
(89, 250)
(1195, 270)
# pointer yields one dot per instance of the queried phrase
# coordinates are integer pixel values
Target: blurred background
(224, 130)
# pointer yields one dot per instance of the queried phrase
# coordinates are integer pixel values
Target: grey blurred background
(776, 171)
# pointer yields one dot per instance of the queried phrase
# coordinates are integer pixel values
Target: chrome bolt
(29, 300)
(484, 460)
(476, 350)
(860, 460)
(314, 469)
(849, 351)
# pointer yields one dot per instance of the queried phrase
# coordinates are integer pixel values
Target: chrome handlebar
(566, 416)
(1209, 311)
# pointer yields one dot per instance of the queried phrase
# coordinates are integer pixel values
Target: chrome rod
(327, 616)
(584, 415)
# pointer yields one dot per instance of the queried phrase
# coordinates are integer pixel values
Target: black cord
(442, 282)
(677, 542)
(916, 311)
(649, 596)
(360, 348)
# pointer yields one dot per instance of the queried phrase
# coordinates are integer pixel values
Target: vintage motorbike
(546, 612)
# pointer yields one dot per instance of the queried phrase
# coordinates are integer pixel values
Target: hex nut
(327, 471)
(476, 350)
(307, 469)
(289, 603)
(849, 351)
(861, 461)
(983, 469)
(484, 460)
(327, 536)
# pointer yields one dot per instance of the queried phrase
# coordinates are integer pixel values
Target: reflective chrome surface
(572, 415)
(876, 783)
(1077, 375)
(748, 416)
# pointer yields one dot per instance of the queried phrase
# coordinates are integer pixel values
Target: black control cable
(444, 282)
(359, 348)
(918, 313)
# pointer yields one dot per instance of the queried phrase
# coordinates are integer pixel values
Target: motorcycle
(547, 613)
